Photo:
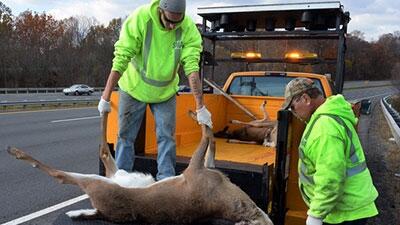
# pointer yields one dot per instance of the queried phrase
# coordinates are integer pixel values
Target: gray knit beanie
(175, 6)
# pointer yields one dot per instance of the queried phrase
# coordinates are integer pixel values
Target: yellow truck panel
(188, 133)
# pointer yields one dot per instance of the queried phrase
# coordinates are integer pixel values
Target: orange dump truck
(267, 174)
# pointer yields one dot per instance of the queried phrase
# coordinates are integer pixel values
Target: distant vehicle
(78, 89)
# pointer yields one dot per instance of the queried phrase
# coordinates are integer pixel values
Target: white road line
(75, 119)
(46, 211)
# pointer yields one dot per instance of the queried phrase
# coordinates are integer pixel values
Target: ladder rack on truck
(311, 20)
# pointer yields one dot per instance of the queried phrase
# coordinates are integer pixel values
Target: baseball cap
(296, 87)
(175, 6)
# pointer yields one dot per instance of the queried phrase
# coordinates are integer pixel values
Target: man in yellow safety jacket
(334, 180)
(154, 40)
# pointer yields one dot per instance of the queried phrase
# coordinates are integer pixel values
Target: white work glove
(103, 106)
(204, 116)
(313, 221)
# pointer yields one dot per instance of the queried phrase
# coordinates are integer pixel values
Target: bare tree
(37, 37)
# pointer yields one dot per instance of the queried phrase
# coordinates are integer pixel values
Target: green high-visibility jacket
(334, 180)
(148, 56)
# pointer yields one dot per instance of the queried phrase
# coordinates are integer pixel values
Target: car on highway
(78, 89)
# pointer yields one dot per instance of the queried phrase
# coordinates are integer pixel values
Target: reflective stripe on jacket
(333, 177)
(148, 55)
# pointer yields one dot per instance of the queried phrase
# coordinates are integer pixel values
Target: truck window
(273, 86)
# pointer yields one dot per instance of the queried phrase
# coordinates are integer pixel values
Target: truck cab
(267, 174)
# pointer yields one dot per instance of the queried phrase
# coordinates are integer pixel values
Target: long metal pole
(234, 101)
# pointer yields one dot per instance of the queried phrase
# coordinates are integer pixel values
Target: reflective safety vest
(306, 178)
(142, 69)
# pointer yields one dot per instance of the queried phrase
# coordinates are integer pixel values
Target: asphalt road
(68, 140)
(50, 136)
(371, 92)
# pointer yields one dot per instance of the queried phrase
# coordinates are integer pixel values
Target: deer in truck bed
(199, 193)
(261, 131)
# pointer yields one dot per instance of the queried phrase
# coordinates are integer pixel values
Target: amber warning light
(298, 55)
(246, 55)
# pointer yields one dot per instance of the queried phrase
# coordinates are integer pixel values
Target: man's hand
(313, 221)
(103, 106)
(204, 116)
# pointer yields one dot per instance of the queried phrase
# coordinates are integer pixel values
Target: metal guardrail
(393, 118)
(42, 103)
(37, 90)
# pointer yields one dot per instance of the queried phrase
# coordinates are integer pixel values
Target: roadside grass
(395, 102)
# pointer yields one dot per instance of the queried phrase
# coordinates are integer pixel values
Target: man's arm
(104, 103)
(111, 82)
(203, 115)
(195, 86)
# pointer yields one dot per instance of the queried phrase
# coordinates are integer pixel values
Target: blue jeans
(131, 112)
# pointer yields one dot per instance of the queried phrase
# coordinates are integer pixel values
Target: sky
(372, 17)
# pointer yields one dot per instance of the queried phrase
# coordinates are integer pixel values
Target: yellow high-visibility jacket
(148, 56)
(334, 179)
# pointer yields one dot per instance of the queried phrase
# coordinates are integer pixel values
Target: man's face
(301, 106)
(170, 20)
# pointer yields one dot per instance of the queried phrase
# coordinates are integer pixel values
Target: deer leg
(59, 175)
(108, 160)
(239, 122)
(88, 214)
(105, 153)
(254, 123)
(210, 154)
(209, 158)
(241, 142)
(264, 111)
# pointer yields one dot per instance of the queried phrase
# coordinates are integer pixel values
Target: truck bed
(231, 152)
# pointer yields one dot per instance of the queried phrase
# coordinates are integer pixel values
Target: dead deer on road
(198, 193)
(262, 131)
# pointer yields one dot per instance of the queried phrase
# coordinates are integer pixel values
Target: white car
(78, 89)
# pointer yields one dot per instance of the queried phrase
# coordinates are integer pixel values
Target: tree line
(37, 50)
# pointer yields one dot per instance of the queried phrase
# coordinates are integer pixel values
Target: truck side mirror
(362, 107)
(365, 106)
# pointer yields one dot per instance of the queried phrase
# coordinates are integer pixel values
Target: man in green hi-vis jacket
(154, 41)
(334, 180)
